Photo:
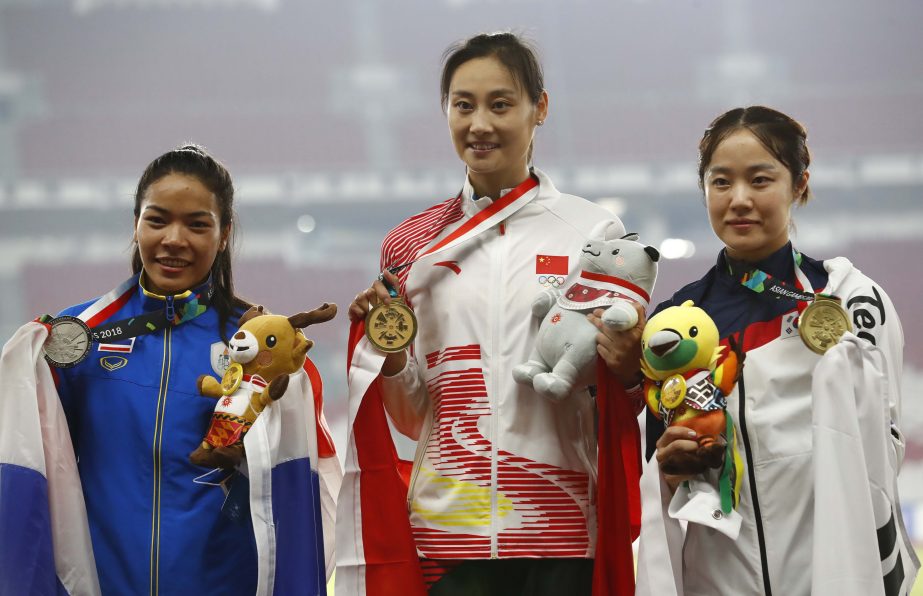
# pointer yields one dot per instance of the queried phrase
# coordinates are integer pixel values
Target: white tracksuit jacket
(816, 518)
(499, 470)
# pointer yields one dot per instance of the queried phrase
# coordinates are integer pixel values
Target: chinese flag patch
(550, 265)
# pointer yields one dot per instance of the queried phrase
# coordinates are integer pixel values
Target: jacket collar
(472, 204)
(151, 300)
(780, 264)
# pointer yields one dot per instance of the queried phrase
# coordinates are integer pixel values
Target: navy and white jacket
(771, 407)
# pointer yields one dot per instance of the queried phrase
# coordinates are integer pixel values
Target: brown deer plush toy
(264, 351)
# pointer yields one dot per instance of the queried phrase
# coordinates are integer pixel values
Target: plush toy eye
(693, 331)
(271, 341)
(615, 252)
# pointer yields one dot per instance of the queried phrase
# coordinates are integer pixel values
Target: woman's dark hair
(194, 160)
(513, 52)
(783, 136)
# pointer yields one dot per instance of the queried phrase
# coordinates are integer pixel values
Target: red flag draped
(618, 503)
(392, 566)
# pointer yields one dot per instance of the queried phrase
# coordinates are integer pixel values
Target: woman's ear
(541, 108)
(224, 239)
(801, 188)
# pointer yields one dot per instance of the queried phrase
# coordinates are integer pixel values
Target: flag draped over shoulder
(376, 553)
(45, 546)
(44, 535)
(294, 479)
(618, 502)
(856, 501)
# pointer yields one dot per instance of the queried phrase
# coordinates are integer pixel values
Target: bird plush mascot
(688, 377)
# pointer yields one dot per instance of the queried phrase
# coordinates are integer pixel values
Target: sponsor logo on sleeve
(868, 313)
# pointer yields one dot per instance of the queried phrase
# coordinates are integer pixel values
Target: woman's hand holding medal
(377, 293)
(389, 323)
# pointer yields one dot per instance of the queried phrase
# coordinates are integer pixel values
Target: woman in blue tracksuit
(132, 405)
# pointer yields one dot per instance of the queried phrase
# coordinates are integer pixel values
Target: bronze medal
(391, 327)
(823, 323)
(673, 392)
(68, 342)
(232, 378)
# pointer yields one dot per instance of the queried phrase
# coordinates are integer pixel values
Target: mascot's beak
(663, 342)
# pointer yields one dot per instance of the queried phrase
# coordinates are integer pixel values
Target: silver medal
(68, 342)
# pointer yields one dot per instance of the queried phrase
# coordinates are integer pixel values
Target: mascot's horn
(607, 229)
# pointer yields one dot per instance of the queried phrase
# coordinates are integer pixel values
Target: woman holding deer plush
(126, 367)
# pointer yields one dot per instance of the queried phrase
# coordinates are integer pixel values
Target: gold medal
(391, 327)
(232, 378)
(823, 323)
(673, 392)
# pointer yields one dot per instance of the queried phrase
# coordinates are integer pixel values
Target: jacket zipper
(751, 474)
(422, 444)
(156, 449)
(494, 308)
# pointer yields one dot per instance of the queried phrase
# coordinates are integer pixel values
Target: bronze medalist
(823, 323)
(391, 327)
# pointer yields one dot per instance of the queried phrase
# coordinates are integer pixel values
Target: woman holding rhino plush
(501, 492)
(817, 422)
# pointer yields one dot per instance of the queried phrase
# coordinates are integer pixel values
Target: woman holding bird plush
(815, 409)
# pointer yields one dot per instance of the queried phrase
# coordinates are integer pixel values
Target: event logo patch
(220, 358)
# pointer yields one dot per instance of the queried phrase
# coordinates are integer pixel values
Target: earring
(540, 122)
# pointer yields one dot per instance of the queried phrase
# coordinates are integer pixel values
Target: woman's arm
(405, 398)
(403, 391)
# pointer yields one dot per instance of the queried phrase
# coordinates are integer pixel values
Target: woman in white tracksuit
(819, 435)
(500, 498)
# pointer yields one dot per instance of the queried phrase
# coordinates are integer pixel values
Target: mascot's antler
(321, 314)
(254, 311)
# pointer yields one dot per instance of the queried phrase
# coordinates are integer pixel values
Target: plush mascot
(686, 384)
(615, 274)
(264, 351)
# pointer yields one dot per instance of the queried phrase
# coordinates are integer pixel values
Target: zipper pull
(171, 312)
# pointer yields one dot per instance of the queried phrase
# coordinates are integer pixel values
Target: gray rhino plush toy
(614, 274)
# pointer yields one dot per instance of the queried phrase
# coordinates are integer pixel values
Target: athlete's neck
(492, 184)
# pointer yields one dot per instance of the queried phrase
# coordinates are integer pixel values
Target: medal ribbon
(497, 211)
(149, 322)
(762, 283)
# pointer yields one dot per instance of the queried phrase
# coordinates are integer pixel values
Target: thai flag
(44, 536)
(294, 479)
(45, 546)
